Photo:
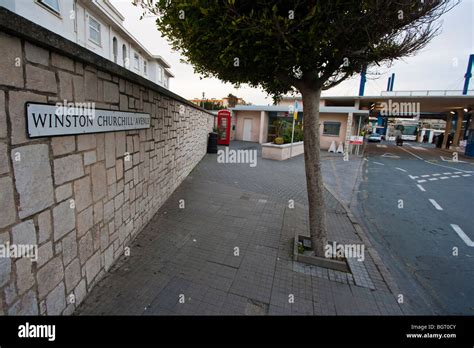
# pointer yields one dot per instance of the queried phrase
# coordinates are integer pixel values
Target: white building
(98, 26)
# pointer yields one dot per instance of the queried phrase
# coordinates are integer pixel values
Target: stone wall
(81, 199)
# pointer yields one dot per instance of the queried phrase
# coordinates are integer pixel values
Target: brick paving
(229, 250)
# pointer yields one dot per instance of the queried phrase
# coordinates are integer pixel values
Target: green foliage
(300, 248)
(279, 141)
(210, 105)
(280, 45)
(298, 135)
(280, 126)
(232, 100)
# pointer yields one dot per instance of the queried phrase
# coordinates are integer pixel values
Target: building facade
(98, 26)
(256, 123)
(346, 116)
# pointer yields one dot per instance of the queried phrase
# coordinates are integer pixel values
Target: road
(418, 209)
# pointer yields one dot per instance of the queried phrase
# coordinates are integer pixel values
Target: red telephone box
(223, 126)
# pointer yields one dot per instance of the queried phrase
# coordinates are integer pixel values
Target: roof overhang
(162, 61)
(283, 108)
(426, 104)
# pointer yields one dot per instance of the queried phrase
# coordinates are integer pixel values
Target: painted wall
(239, 131)
(41, 16)
(292, 102)
(265, 128)
(72, 24)
(326, 140)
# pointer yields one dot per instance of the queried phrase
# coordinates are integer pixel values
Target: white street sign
(50, 120)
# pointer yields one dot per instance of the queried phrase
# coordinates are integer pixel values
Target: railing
(426, 93)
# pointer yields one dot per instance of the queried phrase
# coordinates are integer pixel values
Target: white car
(375, 137)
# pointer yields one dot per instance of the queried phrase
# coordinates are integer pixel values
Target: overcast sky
(440, 66)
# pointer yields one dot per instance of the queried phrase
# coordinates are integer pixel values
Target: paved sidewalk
(229, 252)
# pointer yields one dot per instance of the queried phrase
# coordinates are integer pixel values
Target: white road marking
(389, 155)
(379, 145)
(403, 170)
(418, 147)
(411, 153)
(462, 235)
(436, 205)
(436, 174)
(421, 187)
(435, 164)
(444, 177)
(380, 164)
(455, 176)
(425, 176)
(466, 175)
(432, 179)
(440, 165)
(421, 180)
(451, 160)
(447, 173)
(413, 176)
(457, 172)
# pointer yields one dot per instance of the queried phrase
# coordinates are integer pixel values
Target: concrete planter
(337, 265)
(281, 152)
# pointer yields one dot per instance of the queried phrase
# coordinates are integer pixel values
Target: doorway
(247, 136)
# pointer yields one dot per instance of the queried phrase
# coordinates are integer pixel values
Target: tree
(233, 100)
(306, 46)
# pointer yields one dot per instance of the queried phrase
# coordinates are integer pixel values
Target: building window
(53, 5)
(94, 30)
(136, 60)
(75, 15)
(115, 48)
(160, 74)
(124, 56)
(331, 128)
(144, 67)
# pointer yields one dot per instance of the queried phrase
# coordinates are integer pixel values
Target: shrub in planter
(279, 141)
(298, 136)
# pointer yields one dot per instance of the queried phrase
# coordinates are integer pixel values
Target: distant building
(215, 104)
(342, 117)
(98, 26)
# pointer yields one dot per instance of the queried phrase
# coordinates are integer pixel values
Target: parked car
(375, 137)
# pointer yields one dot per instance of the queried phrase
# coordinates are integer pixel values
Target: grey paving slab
(229, 252)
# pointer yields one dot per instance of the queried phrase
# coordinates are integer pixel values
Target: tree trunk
(314, 181)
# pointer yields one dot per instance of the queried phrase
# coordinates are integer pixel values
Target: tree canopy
(279, 44)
